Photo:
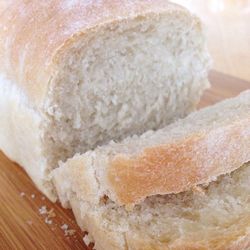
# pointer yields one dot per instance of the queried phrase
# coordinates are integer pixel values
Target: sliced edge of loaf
(195, 150)
(215, 217)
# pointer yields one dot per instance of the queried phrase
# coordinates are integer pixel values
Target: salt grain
(69, 232)
(22, 194)
(33, 196)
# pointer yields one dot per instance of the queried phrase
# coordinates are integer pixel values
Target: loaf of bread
(191, 151)
(213, 217)
(75, 74)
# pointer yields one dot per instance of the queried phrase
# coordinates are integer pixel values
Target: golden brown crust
(33, 32)
(176, 167)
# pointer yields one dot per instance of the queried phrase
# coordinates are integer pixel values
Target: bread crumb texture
(215, 217)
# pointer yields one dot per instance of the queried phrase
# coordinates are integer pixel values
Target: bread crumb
(22, 194)
(43, 210)
(33, 196)
(48, 221)
(64, 227)
(87, 239)
(69, 232)
(51, 213)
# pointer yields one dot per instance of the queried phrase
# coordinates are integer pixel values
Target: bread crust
(35, 34)
(20, 132)
(177, 167)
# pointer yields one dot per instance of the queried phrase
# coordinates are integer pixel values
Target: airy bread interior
(90, 171)
(206, 119)
(124, 78)
(215, 216)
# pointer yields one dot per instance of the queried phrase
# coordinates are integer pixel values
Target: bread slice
(195, 150)
(75, 74)
(214, 217)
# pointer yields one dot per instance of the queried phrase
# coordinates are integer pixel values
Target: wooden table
(21, 224)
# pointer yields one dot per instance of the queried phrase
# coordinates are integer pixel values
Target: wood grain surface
(21, 224)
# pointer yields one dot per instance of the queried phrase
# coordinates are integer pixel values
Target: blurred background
(228, 30)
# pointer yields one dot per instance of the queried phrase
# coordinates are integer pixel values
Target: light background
(228, 31)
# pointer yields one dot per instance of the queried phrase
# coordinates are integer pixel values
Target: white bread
(213, 217)
(192, 151)
(75, 74)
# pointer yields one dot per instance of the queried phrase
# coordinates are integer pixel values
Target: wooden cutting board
(21, 224)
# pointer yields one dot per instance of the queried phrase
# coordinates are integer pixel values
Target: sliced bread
(213, 217)
(192, 151)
